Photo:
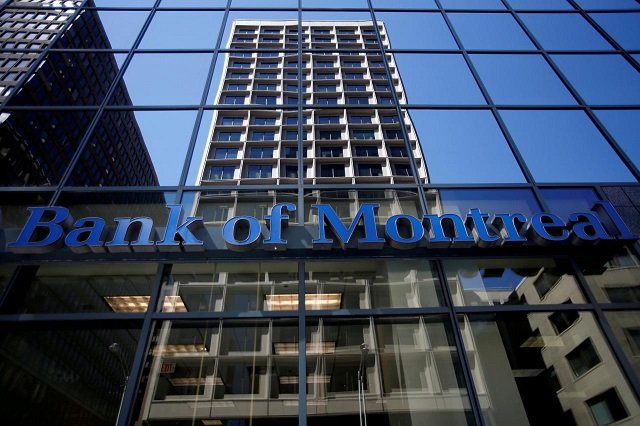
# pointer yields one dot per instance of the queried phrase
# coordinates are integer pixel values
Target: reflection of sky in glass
(495, 31)
(608, 4)
(122, 27)
(564, 146)
(464, 146)
(563, 202)
(335, 3)
(472, 4)
(405, 4)
(437, 79)
(521, 80)
(622, 27)
(417, 30)
(601, 79)
(167, 135)
(624, 126)
(564, 31)
(491, 201)
(539, 4)
(482, 280)
(182, 30)
(167, 79)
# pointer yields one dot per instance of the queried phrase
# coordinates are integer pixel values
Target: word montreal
(49, 228)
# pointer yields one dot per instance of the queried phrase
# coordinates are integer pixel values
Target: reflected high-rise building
(356, 139)
(36, 145)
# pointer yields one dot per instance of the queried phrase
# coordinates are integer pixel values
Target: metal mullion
(302, 346)
(472, 393)
(377, 312)
(422, 198)
(144, 343)
(91, 317)
(42, 54)
(554, 307)
(84, 141)
(627, 370)
(524, 168)
(587, 109)
(203, 100)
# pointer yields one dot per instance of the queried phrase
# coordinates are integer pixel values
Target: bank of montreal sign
(51, 228)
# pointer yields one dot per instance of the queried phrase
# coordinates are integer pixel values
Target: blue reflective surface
(494, 31)
(464, 147)
(563, 202)
(564, 146)
(417, 30)
(460, 201)
(437, 79)
(623, 27)
(601, 79)
(540, 4)
(624, 126)
(521, 80)
(564, 31)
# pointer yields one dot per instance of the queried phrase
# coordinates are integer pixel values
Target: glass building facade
(115, 109)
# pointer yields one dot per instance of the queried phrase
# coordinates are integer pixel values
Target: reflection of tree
(37, 146)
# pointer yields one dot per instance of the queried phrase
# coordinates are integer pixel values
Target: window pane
(601, 79)
(437, 79)
(540, 4)
(563, 202)
(183, 30)
(417, 30)
(614, 278)
(491, 201)
(518, 361)
(155, 78)
(406, 4)
(492, 31)
(239, 370)
(381, 284)
(464, 147)
(623, 27)
(626, 328)
(564, 31)
(511, 282)
(624, 126)
(472, 4)
(122, 27)
(546, 139)
(521, 80)
(79, 374)
(608, 4)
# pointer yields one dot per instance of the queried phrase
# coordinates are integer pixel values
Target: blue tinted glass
(167, 79)
(193, 3)
(437, 79)
(563, 202)
(260, 3)
(334, 3)
(564, 31)
(601, 79)
(417, 30)
(540, 4)
(123, 3)
(608, 4)
(564, 146)
(623, 27)
(122, 27)
(521, 80)
(472, 4)
(405, 4)
(492, 201)
(166, 136)
(464, 147)
(183, 30)
(624, 126)
(489, 31)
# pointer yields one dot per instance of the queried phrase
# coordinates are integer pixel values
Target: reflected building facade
(37, 144)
